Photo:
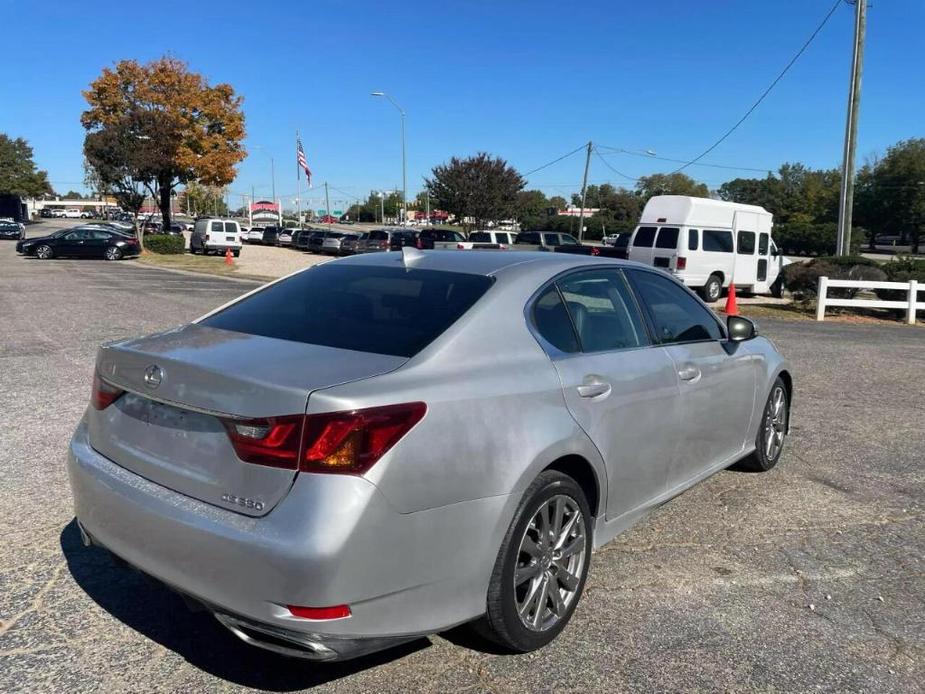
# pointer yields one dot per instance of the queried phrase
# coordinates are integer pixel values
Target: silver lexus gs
(392, 444)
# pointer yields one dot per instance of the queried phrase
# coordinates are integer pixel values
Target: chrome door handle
(688, 372)
(593, 390)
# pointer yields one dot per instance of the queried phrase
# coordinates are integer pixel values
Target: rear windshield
(368, 309)
(644, 237)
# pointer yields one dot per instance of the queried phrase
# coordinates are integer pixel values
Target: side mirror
(740, 329)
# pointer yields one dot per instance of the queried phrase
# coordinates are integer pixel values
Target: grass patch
(209, 265)
(802, 312)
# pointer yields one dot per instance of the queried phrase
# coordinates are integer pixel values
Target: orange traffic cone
(229, 261)
(732, 308)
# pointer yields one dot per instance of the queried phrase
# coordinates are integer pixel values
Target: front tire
(775, 421)
(542, 565)
(44, 252)
(113, 253)
(712, 290)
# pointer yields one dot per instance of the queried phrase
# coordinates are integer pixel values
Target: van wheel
(712, 290)
(542, 566)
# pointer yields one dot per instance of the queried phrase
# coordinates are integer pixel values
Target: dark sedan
(11, 230)
(82, 242)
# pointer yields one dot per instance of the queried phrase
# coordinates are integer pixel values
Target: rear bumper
(333, 540)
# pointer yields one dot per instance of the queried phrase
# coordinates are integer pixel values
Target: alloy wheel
(113, 253)
(775, 423)
(550, 563)
(43, 252)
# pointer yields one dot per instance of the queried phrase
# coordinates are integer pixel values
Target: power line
(609, 166)
(766, 91)
(619, 150)
(555, 161)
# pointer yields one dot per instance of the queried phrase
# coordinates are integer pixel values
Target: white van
(72, 213)
(214, 235)
(709, 244)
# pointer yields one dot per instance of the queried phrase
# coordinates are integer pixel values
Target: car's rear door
(621, 390)
(717, 385)
(97, 242)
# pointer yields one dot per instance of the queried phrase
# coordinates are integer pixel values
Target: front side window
(381, 310)
(667, 238)
(568, 240)
(552, 321)
(717, 241)
(603, 311)
(746, 243)
(645, 236)
(676, 315)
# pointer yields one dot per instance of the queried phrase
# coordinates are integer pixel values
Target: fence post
(820, 297)
(913, 301)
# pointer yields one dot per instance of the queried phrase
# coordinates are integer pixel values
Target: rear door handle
(594, 390)
(688, 372)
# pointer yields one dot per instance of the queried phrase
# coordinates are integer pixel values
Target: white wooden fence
(911, 303)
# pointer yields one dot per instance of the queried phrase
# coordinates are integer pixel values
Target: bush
(902, 269)
(802, 279)
(165, 244)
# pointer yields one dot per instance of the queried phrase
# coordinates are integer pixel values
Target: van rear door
(745, 230)
(642, 244)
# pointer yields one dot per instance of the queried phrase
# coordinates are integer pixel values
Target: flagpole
(298, 181)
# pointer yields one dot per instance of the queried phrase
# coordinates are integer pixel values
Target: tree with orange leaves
(158, 126)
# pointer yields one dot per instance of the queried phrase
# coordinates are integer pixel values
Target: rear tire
(772, 432)
(113, 253)
(712, 290)
(548, 550)
(44, 252)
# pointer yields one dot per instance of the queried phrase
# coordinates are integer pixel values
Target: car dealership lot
(808, 576)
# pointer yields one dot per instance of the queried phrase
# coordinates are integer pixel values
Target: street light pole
(404, 178)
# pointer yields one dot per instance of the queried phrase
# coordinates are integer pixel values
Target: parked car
(81, 242)
(609, 239)
(270, 236)
(58, 213)
(405, 238)
(46, 212)
(706, 243)
(378, 240)
(332, 243)
(284, 238)
(500, 240)
(304, 427)
(213, 235)
(296, 235)
(543, 240)
(315, 241)
(255, 235)
(441, 239)
(12, 230)
(72, 213)
(353, 243)
(87, 214)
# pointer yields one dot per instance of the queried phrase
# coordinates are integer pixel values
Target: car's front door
(72, 243)
(716, 378)
(619, 388)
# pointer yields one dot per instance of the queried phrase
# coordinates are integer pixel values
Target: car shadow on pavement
(158, 613)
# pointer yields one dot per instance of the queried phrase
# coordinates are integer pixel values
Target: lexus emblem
(153, 376)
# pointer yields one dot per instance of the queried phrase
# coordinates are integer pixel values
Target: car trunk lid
(182, 384)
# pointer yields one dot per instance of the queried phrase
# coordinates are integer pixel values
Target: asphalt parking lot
(809, 577)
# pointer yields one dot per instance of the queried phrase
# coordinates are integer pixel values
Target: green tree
(899, 183)
(670, 184)
(482, 188)
(558, 202)
(18, 174)
(203, 200)
(168, 125)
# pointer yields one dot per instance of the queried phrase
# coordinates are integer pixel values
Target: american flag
(300, 156)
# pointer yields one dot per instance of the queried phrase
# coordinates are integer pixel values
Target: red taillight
(339, 442)
(104, 394)
(682, 263)
(335, 612)
(419, 245)
(595, 251)
(460, 247)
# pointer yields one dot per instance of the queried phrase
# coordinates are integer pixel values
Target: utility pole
(427, 204)
(846, 194)
(250, 209)
(584, 193)
(327, 201)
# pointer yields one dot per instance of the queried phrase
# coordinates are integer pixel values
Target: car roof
(485, 262)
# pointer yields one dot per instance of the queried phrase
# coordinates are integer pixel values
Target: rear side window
(645, 236)
(528, 238)
(667, 237)
(552, 321)
(603, 311)
(677, 316)
(693, 239)
(503, 238)
(763, 240)
(382, 310)
(746, 244)
(717, 241)
(378, 235)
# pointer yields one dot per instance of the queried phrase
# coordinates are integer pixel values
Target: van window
(667, 238)
(644, 237)
(763, 240)
(746, 244)
(231, 228)
(717, 241)
(693, 239)
(528, 237)
(216, 226)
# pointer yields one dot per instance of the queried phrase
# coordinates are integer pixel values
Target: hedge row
(799, 238)
(165, 244)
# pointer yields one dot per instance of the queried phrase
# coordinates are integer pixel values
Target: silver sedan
(425, 439)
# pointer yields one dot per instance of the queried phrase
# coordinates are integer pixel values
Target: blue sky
(527, 81)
